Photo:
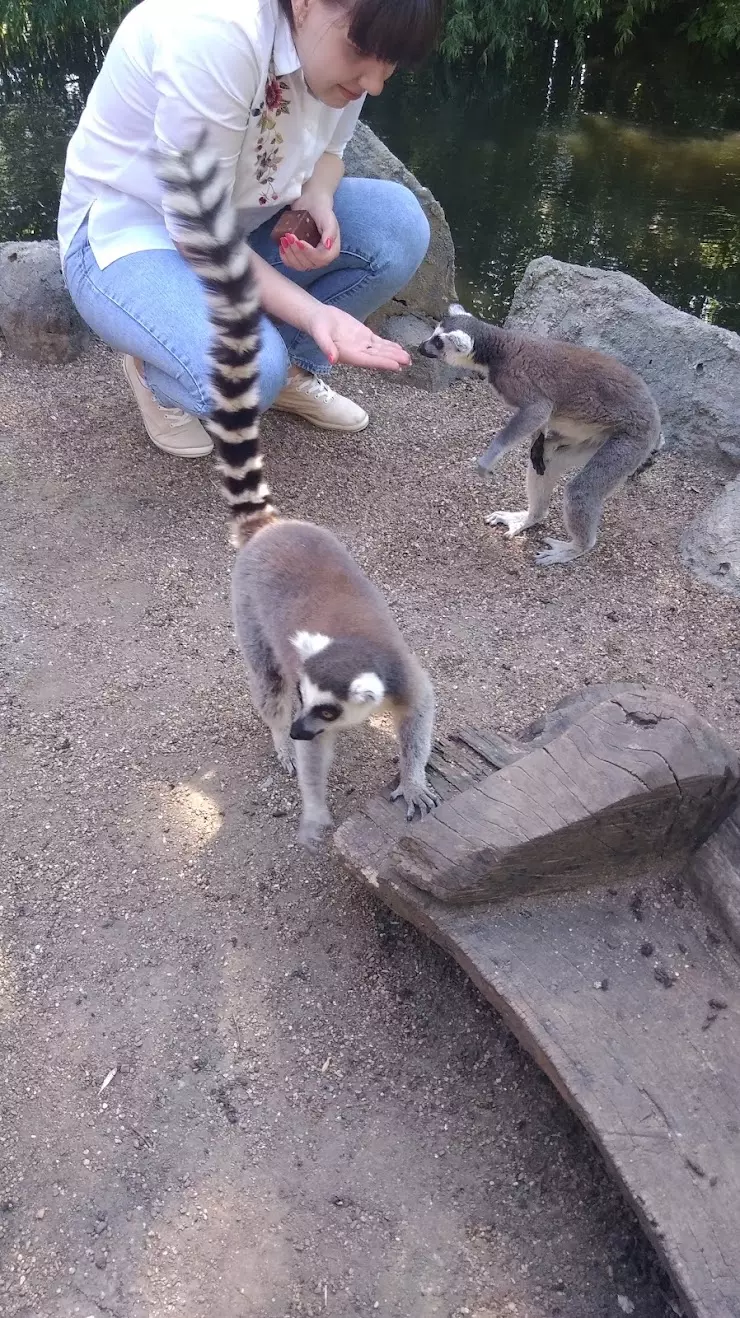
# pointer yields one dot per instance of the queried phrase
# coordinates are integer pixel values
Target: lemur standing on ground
(580, 409)
(313, 629)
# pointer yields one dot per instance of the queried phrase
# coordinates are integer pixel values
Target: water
(630, 162)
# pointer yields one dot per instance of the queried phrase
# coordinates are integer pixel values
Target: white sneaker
(310, 397)
(172, 430)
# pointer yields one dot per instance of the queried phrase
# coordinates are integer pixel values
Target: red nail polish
(327, 243)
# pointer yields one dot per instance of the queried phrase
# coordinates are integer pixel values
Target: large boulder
(711, 545)
(37, 317)
(433, 286)
(692, 368)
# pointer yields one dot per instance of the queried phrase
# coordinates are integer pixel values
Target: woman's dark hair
(395, 31)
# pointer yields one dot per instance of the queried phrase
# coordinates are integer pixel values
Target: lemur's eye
(327, 712)
(438, 341)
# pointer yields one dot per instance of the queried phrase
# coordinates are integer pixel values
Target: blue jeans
(151, 305)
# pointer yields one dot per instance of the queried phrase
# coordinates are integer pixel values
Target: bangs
(396, 31)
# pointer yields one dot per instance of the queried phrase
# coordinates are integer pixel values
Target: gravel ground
(312, 1110)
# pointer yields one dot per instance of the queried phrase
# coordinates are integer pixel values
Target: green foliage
(482, 27)
(36, 23)
(474, 28)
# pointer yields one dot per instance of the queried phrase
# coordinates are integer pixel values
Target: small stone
(40, 1214)
(625, 1305)
(646, 949)
(663, 977)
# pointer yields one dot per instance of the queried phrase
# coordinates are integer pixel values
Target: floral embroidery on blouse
(269, 156)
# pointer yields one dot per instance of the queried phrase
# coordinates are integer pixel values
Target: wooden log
(715, 874)
(627, 998)
(637, 775)
(622, 1014)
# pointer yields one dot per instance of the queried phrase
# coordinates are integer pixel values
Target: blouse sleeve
(345, 127)
(206, 75)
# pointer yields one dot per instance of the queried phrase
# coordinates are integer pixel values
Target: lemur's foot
(285, 753)
(560, 551)
(313, 827)
(514, 522)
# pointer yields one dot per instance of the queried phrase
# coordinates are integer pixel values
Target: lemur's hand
(492, 455)
(416, 794)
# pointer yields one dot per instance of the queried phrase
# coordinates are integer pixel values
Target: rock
(424, 372)
(433, 286)
(711, 545)
(37, 317)
(692, 368)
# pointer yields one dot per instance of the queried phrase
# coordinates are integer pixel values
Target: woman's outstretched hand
(348, 342)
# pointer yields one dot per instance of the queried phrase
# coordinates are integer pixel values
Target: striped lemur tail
(208, 238)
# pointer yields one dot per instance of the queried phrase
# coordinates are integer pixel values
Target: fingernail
(327, 243)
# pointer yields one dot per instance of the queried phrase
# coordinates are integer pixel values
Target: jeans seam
(204, 400)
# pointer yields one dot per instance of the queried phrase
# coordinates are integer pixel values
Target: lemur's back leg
(272, 699)
(549, 459)
(583, 502)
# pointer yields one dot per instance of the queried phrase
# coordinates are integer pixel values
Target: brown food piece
(300, 223)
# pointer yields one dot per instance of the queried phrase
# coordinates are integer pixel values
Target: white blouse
(173, 66)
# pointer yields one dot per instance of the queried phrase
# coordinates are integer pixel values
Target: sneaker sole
(323, 425)
(201, 451)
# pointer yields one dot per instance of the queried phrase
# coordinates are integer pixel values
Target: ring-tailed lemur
(313, 629)
(580, 409)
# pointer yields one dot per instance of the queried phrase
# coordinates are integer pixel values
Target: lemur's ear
(366, 688)
(461, 341)
(455, 309)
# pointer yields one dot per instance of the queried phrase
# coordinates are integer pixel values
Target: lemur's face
(323, 708)
(452, 341)
(336, 684)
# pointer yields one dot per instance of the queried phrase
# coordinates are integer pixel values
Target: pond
(630, 162)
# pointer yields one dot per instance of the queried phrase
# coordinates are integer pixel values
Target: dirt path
(312, 1111)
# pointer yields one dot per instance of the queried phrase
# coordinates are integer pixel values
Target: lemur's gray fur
(579, 409)
(322, 649)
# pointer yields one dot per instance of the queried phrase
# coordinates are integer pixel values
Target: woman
(279, 84)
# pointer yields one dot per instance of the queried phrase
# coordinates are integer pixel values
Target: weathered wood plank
(715, 874)
(624, 995)
(493, 747)
(658, 1092)
(637, 775)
